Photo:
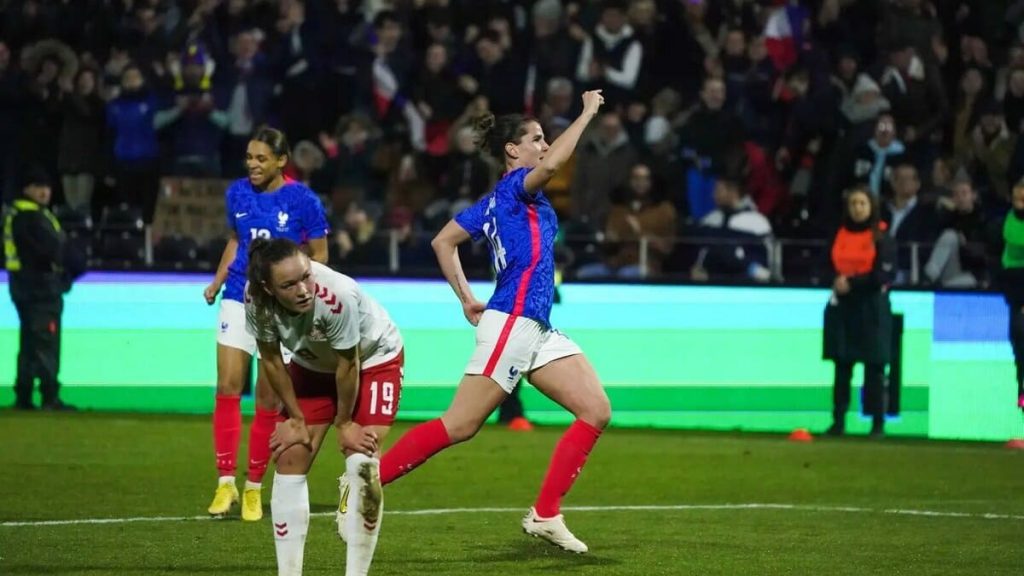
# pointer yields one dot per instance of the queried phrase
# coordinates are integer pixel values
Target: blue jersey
(292, 211)
(520, 228)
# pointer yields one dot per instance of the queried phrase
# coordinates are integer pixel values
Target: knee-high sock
(413, 449)
(259, 443)
(365, 512)
(227, 427)
(566, 463)
(289, 508)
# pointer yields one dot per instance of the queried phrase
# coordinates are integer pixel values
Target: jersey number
(259, 233)
(382, 398)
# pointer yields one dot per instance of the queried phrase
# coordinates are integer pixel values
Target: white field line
(644, 508)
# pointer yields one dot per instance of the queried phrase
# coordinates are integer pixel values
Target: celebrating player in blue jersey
(513, 333)
(264, 205)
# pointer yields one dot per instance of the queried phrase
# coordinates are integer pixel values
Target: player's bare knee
(597, 413)
(229, 385)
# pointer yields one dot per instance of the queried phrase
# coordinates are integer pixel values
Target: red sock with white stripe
(227, 427)
(259, 443)
(413, 449)
(566, 463)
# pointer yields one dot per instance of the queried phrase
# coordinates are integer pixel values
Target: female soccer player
(346, 370)
(264, 205)
(1011, 280)
(513, 333)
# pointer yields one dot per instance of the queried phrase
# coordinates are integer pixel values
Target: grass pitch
(650, 502)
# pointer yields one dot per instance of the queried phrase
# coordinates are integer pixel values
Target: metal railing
(787, 261)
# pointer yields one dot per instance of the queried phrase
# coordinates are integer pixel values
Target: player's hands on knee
(354, 438)
(287, 434)
(473, 310)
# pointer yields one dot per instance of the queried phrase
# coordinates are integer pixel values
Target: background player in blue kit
(514, 336)
(264, 205)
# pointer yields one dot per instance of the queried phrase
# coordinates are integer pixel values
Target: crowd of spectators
(729, 124)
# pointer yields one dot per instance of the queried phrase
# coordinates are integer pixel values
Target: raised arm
(562, 148)
(446, 247)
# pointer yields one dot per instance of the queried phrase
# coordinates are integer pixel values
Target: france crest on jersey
(292, 211)
(520, 228)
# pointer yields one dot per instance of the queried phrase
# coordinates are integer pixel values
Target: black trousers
(874, 392)
(38, 350)
(1017, 343)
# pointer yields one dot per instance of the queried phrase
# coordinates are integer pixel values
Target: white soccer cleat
(339, 516)
(553, 530)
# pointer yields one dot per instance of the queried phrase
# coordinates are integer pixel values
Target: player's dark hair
(493, 133)
(263, 254)
(274, 139)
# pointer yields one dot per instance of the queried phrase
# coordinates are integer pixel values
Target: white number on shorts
(259, 233)
(386, 397)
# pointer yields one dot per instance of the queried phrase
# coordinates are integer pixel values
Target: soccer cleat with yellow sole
(252, 504)
(223, 498)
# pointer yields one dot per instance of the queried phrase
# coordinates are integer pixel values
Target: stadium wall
(670, 356)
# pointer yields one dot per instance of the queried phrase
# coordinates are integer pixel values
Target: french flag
(386, 94)
(784, 34)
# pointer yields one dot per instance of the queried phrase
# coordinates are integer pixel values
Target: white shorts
(231, 330)
(508, 347)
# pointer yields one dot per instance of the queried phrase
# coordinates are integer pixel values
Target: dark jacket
(82, 135)
(858, 324)
(39, 245)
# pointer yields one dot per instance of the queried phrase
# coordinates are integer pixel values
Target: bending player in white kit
(346, 370)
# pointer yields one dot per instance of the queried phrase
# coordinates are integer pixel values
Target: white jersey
(343, 316)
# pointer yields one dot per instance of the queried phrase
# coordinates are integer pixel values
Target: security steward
(858, 317)
(35, 255)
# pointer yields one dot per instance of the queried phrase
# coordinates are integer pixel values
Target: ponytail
(493, 133)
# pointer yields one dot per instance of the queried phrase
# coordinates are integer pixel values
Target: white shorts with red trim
(508, 347)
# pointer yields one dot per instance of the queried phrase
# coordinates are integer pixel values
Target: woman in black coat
(858, 317)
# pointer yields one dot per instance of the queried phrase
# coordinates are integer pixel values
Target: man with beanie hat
(34, 255)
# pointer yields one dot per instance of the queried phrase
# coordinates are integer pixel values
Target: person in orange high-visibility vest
(858, 317)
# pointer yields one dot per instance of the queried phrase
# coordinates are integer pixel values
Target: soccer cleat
(1020, 401)
(553, 530)
(223, 498)
(520, 424)
(252, 504)
(339, 516)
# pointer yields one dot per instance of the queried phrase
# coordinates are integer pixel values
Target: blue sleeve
(515, 183)
(314, 218)
(229, 208)
(472, 219)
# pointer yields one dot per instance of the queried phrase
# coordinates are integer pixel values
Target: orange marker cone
(800, 435)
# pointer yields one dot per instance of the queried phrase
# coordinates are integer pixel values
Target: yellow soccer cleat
(252, 504)
(223, 498)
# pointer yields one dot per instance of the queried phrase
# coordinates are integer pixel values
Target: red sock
(259, 442)
(413, 449)
(227, 426)
(566, 463)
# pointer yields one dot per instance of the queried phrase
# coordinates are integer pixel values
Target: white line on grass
(648, 508)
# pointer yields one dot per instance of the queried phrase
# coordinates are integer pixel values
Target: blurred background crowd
(732, 127)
